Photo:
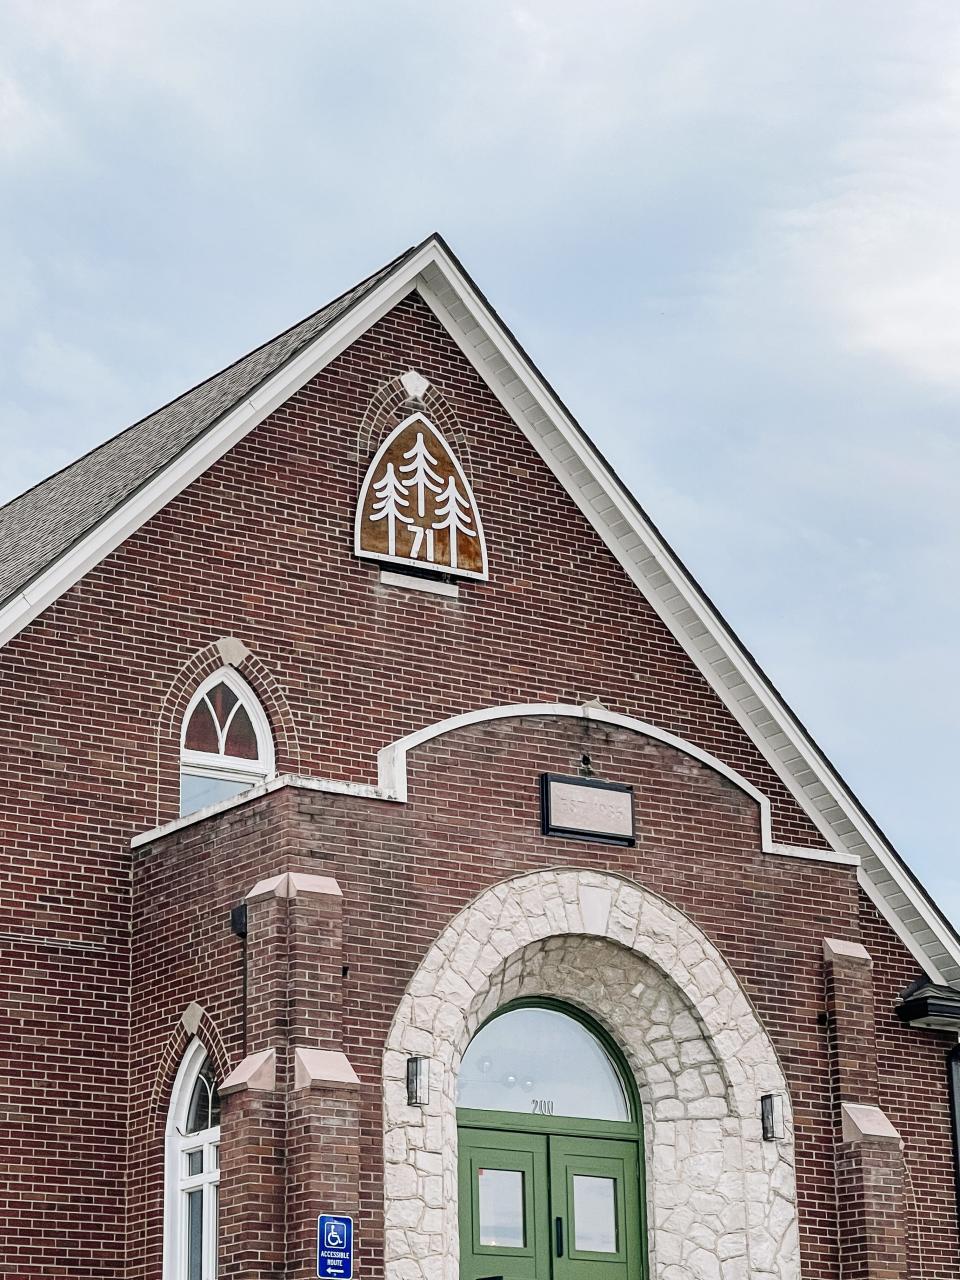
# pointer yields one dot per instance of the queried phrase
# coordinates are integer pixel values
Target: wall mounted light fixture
(418, 1082)
(771, 1117)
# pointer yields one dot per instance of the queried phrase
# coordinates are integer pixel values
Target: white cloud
(25, 124)
(879, 252)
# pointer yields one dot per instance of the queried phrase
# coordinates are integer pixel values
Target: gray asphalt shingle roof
(37, 527)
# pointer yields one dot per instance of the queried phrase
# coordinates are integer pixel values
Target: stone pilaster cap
(841, 949)
(257, 1071)
(861, 1123)
(294, 884)
(322, 1066)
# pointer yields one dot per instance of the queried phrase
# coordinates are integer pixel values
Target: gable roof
(37, 527)
(159, 456)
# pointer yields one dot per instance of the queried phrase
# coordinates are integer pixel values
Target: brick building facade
(273, 832)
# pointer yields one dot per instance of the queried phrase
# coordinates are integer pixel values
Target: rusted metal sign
(416, 506)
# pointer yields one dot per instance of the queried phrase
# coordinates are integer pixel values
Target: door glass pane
(501, 1207)
(542, 1062)
(194, 1235)
(594, 1214)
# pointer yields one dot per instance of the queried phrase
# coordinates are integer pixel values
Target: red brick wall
(472, 820)
(259, 547)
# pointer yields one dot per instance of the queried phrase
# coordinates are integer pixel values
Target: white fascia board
(630, 538)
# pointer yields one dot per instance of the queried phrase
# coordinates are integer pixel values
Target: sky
(728, 233)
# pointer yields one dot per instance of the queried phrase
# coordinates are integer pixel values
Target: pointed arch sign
(416, 506)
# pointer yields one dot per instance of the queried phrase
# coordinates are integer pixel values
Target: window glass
(542, 1062)
(194, 1235)
(227, 745)
(202, 731)
(500, 1207)
(196, 791)
(204, 1110)
(241, 737)
(594, 1214)
(223, 700)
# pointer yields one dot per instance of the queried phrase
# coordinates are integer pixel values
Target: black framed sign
(586, 809)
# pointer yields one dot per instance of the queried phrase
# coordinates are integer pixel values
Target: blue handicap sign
(334, 1247)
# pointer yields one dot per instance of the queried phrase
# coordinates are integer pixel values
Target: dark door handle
(489, 1277)
(558, 1228)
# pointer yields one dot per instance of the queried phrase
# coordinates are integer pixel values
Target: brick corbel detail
(870, 1171)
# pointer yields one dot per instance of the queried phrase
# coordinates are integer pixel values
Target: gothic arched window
(226, 744)
(192, 1171)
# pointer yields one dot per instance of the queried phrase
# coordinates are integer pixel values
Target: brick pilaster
(291, 1122)
(870, 1172)
(252, 1142)
(315, 961)
(267, 965)
(323, 1154)
(853, 1034)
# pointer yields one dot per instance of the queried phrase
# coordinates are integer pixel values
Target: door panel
(539, 1207)
(504, 1206)
(595, 1205)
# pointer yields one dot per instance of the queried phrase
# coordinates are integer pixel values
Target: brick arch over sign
(391, 404)
(230, 652)
(721, 1201)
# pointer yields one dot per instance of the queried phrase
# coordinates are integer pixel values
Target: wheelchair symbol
(333, 1235)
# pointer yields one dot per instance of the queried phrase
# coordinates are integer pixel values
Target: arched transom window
(226, 744)
(538, 1060)
(193, 1171)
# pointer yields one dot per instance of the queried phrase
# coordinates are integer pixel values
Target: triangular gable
(434, 272)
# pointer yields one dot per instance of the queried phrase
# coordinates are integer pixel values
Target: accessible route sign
(334, 1247)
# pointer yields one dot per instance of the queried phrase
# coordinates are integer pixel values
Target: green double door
(536, 1206)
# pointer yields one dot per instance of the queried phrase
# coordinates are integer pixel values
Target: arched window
(226, 744)
(192, 1171)
(539, 1060)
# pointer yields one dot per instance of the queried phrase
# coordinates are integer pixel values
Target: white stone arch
(721, 1201)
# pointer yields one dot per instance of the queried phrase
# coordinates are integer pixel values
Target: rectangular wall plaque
(586, 809)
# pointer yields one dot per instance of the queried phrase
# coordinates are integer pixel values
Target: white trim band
(392, 772)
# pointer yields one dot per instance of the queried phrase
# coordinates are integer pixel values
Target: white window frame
(206, 764)
(177, 1183)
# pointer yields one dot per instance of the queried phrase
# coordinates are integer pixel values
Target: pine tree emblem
(391, 496)
(416, 506)
(453, 512)
(421, 473)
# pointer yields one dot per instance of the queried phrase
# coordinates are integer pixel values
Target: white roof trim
(627, 533)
